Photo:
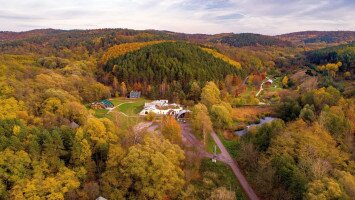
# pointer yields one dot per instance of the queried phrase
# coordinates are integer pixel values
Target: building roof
(74, 125)
(134, 94)
(107, 103)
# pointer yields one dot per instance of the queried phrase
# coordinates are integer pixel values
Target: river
(262, 121)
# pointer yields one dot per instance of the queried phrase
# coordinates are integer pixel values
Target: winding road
(190, 140)
(261, 86)
(225, 157)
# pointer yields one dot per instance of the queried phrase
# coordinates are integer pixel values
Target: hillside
(50, 42)
(250, 39)
(8, 36)
(168, 62)
(342, 53)
(319, 36)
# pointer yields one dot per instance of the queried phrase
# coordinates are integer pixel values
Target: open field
(251, 113)
(100, 113)
(132, 106)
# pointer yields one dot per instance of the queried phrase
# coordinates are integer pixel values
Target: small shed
(107, 103)
(134, 94)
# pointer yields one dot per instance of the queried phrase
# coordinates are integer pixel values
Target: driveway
(225, 157)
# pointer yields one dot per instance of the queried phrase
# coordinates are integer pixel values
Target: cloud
(233, 16)
(191, 16)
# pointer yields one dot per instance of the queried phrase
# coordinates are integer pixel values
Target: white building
(161, 107)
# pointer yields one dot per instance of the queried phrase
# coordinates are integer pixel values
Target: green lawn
(132, 107)
(214, 175)
(118, 100)
(127, 106)
(100, 113)
(231, 145)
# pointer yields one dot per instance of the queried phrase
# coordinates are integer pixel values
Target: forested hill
(319, 36)
(8, 36)
(250, 39)
(48, 42)
(342, 53)
(168, 62)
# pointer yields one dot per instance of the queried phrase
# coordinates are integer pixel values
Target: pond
(262, 121)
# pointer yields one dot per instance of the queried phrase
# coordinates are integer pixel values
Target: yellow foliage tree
(10, 108)
(285, 82)
(101, 131)
(331, 68)
(151, 170)
(171, 130)
(46, 187)
(201, 122)
(210, 94)
(324, 189)
(122, 49)
(223, 57)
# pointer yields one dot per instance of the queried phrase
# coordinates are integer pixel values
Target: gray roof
(74, 125)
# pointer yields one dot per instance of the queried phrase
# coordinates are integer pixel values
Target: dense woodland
(48, 78)
(178, 63)
(250, 39)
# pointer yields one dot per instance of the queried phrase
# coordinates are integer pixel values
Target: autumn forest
(280, 108)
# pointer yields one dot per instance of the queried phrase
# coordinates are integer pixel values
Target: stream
(262, 121)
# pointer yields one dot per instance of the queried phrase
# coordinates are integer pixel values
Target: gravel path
(229, 160)
(190, 140)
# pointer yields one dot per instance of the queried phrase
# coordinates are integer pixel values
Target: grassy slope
(127, 106)
(132, 106)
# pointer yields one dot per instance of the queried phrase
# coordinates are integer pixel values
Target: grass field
(231, 145)
(214, 175)
(118, 100)
(100, 113)
(251, 113)
(131, 107)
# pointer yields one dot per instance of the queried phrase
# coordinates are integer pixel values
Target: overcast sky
(190, 16)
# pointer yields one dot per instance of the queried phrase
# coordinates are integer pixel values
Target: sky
(270, 17)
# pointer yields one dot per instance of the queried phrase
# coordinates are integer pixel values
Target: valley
(276, 112)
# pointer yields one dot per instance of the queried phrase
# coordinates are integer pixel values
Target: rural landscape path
(229, 160)
(261, 86)
(190, 140)
(113, 108)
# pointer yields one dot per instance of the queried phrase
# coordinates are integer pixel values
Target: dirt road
(229, 160)
(191, 141)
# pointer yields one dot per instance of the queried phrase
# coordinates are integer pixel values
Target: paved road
(224, 156)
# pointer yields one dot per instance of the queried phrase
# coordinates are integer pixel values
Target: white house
(161, 107)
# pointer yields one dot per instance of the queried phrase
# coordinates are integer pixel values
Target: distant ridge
(251, 39)
(319, 36)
